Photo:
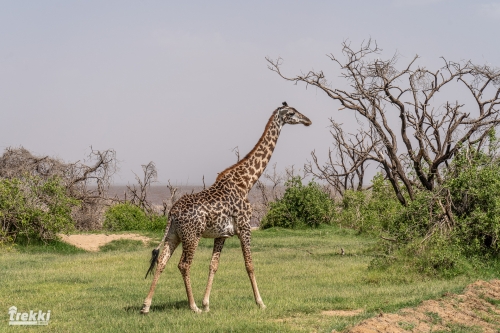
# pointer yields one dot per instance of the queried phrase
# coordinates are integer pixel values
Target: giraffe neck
(247, 171)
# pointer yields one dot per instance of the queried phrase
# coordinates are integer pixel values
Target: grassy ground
(299, 273)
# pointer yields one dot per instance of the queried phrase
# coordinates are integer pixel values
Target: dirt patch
(342, 313)
(94, 241)
(476, 310)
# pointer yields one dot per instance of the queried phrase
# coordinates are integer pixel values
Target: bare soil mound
(94, 241)
(476, 310)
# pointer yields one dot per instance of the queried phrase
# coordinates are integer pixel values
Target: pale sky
(182, 83)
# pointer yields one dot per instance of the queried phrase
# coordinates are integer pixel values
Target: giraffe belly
(223, 229)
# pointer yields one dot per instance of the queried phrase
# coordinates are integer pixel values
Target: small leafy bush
(301, 206)
(34, 208)
(126, 217)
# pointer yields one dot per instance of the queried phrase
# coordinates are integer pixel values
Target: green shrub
(438, 244)
(440, 255)
(301, 205)
(472, 186)
(353, 213)
(126, 217)
(34, 208)
(475, 193)
(371, 210)
(416, 219)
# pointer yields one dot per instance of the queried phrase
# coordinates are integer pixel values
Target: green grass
(300, 274)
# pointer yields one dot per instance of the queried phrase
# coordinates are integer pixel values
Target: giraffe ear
(284, 104)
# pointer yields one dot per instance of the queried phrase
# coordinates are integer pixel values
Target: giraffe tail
(154, 257)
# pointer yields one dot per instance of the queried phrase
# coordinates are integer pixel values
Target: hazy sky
(181, 83)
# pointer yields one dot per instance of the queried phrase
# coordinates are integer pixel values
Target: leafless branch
(86, 181)
(414, 151)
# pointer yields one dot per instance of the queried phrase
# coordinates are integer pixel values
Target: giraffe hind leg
(168, 250)
(188, 249)
(214, 264)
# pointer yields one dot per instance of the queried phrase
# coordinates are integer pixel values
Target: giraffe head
(289, 115)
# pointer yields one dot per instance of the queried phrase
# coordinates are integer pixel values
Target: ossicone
(284, 104)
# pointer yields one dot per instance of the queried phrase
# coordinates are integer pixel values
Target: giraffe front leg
(245, 237)
(168, 249)
(214, 264)
(185, 266)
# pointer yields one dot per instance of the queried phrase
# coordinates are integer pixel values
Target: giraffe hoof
(145, 310)
(206, 306)
(196, 310)
(262, 306)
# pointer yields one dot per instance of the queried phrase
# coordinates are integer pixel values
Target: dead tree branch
(138, 194)
(86, 181)
(412, 129)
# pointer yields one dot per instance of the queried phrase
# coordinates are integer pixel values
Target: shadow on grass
(123, 245)
(162, 307)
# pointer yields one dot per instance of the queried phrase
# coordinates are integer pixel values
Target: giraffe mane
(247, 156)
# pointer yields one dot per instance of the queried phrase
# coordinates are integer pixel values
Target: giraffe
(220, 211)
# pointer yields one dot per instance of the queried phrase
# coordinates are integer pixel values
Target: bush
(126, 217)
(421, 235)
(475, 193)
(415, 220)
(300, 206)
(438, 244)
(441, 255)
(472, 188)
(33, 207)
(370, 211)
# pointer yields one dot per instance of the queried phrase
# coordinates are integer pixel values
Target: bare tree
(167, 204)
(90, 184)
(87, 181)
(430, 129)
(346, 163)
(291, 172)
(236, 151)
(271, 189)
(276, 180)
(138, 194)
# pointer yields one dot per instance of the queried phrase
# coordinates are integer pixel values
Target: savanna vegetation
(427, 223)
(43, 196)
(434, 202)
(301, 273)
